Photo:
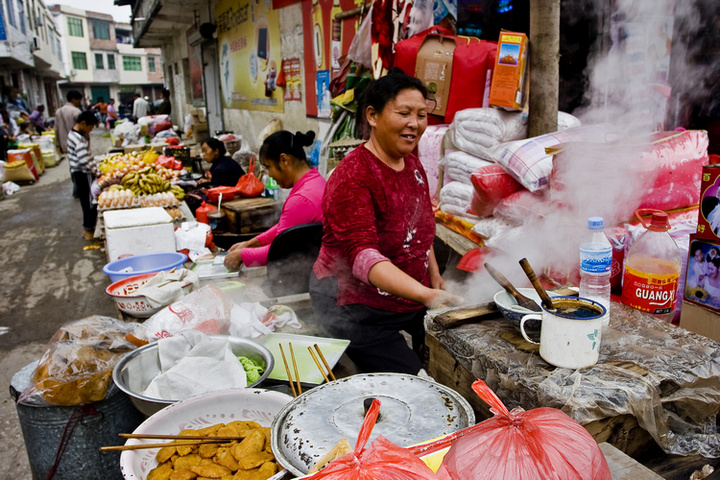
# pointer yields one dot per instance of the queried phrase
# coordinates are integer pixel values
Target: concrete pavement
(47, 280)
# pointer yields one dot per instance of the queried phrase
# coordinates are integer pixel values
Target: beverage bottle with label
(595, 262)
(336, 26)
(652, 269)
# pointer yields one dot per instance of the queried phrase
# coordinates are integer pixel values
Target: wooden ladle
(546, 300)
(522, 300)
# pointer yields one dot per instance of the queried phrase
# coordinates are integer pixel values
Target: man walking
(65, 118)
(140, 107)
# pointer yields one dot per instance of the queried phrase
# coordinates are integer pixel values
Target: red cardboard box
(709, 211)
(507, 89)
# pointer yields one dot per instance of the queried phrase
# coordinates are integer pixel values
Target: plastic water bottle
(595, 262)
(652, 269)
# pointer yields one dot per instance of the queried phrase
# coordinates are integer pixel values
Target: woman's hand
(239, 246)
(440, 298)
(233, 260)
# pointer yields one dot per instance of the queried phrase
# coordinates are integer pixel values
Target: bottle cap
(596, 223)
(659, 222)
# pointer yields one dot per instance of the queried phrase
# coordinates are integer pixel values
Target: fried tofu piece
(207, 431)
(265, 471)
(225, 458)
(234, 429)
(184, 450)
(254, 460)
(268, 443)
(161, 472)
(208, 450)
(188, 461)
(253, 443)
(165, 454)
(182, 474)
(210, 471)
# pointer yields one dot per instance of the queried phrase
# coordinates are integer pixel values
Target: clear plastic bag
(541, 444)
(77, 365)
(383, 460)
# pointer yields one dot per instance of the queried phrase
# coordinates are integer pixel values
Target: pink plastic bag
(540, 444)
(382, 461)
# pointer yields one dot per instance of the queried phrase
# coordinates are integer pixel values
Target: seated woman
(224, 171)
(283, 155)
(376, 272)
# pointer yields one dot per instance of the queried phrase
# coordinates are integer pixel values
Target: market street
(48, 280)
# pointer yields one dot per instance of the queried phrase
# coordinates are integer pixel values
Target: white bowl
(122, 292)
(249, 404)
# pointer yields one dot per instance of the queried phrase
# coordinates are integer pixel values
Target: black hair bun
(305, 139)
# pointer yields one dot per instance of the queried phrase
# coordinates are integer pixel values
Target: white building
(101, 62)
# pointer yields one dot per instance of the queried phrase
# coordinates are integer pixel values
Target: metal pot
(413, 409)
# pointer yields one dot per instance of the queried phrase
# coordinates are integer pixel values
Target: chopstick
(322, 357)
(312, 354)
(140, 446)
(297, 376)
(287, 370)
(177, 437)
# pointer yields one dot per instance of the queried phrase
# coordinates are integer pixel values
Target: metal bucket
(43, 428)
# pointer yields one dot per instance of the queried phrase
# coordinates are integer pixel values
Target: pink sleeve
(364, 261)
(255, 257)
(296, 211)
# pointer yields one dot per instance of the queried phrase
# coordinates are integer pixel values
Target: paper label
(650, 293)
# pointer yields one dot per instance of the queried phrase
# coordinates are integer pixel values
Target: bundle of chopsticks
(296, 382)
(180, 440)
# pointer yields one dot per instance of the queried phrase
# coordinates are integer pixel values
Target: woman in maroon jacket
(376, 272)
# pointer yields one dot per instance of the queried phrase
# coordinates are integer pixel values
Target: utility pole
(544, 76)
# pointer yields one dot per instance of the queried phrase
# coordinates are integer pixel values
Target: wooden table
(251, 215)
(654, 382)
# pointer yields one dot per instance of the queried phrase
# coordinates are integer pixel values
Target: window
(101, 30)
(75, 27)
(132, 63)
(111, 61)
(21, 16)
(11, 13)
(99, 61)
(59, 51)
(79, 60)
(151, 64)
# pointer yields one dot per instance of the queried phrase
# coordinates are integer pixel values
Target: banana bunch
(153, 183)
(115, 187)
(131, 181)
(177, 191)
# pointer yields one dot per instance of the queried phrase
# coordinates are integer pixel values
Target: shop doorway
(212, 88)
(98, 92)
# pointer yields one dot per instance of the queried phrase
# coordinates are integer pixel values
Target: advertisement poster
(196, 75)
(322, 84)
(249, 45)
(327, 39)
(293, 80)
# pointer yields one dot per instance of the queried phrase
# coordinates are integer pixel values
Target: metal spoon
(521, 299)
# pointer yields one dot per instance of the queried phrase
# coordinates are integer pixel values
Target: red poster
(293, 80)
(320, 37)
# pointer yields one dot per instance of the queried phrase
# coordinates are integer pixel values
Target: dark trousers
(83, 181)
(376, 344)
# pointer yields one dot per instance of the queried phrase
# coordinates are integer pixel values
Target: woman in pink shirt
(283, 154)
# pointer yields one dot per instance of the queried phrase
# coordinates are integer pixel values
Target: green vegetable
(253, 370)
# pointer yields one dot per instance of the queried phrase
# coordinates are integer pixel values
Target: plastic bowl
(139, 264)
(134, 372)
(249, 404)
(123, 293)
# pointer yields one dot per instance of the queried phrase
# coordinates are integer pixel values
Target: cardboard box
(434, 68)
(138, 231)
(508, 86)
(700, 320)
(709, 211)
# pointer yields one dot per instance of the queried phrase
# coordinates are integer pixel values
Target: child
(696, 268)
(83, 168)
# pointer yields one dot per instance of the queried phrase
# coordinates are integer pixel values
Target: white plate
(250, 404)
(332, 349)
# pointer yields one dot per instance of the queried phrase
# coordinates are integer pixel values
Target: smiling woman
(376, 272)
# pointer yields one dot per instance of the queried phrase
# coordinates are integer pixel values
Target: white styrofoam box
(137, 231)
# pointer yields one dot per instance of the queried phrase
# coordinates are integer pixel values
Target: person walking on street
(37, 120)
(101, 108)
(165, 107)
(83, 168)
(65, 118)
(112, 115)
(140, 107)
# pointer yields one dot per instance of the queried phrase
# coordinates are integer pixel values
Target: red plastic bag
(382, 461)
(540, 444)
(249, 185)
(491, 184)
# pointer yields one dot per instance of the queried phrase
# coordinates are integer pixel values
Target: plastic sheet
(664, 376)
